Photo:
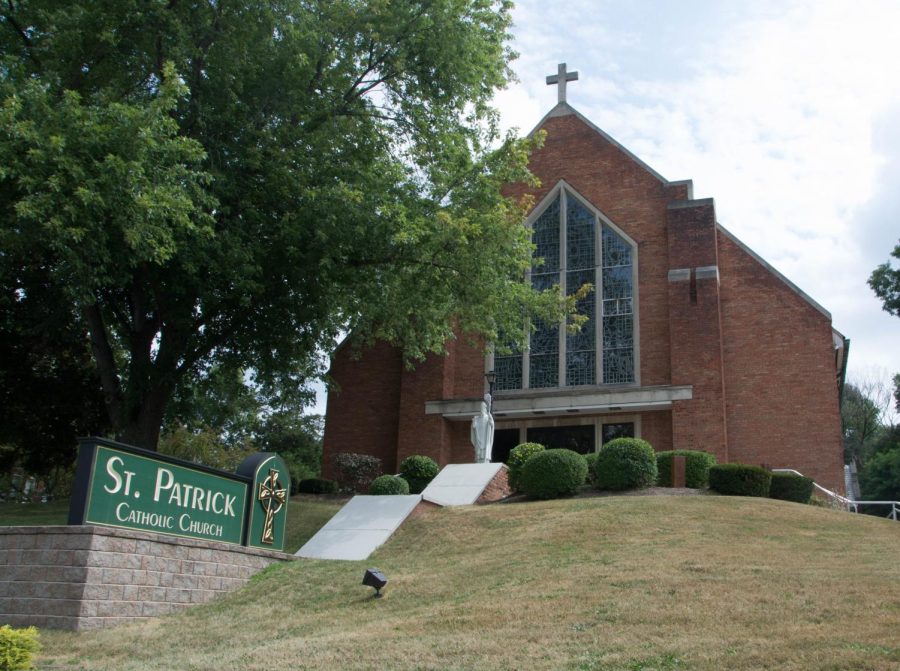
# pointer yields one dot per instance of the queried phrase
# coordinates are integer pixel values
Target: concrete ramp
(460, 484)
(360, 527)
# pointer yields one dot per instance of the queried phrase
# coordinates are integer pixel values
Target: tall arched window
(577, 247)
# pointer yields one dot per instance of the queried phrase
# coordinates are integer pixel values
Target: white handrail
(849, 504)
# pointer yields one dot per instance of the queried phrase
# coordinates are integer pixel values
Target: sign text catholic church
(119, 485)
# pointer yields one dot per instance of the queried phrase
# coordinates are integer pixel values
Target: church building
(693, 340)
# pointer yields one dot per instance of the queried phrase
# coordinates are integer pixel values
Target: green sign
(271, 486)
(122, 486)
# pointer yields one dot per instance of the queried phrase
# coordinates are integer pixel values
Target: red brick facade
(733, 359)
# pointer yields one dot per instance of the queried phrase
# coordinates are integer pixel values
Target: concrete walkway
(366, 522)
(460, 484)
(360, 527)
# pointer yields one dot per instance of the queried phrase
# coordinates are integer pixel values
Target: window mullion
(563, 267)
(598, 302)
(526, 352)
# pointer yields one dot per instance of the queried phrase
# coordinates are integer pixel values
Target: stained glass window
(618, 314)
(543, 369)
(580, 232)
(566, 252)
(509, 372)
(545, 237)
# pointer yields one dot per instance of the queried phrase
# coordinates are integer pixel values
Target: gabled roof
(565, 109)
(765, 264)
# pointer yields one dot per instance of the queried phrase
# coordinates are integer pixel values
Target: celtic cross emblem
(272, 498)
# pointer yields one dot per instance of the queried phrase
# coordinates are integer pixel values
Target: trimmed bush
(791, 487)
(418, 470)
(317, 486)
(355, 472)
(696, 467)
(625, 463)
(387, 485)
(550, 474)
(17, 647)
(517, 458)
(739, 480)
(590, 459)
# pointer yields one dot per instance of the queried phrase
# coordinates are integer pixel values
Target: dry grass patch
(606, 583)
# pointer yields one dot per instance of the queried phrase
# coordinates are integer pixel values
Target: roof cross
(560, 79)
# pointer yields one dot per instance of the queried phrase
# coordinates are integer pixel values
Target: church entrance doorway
(617, 430)
(576, 438)
(582, 435)
(504, 441)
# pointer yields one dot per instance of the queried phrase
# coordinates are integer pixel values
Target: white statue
(482, 433)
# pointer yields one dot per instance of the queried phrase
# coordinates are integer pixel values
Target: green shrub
(388, 485)
(696, 467)
(418, 470)
(355, 472)
(298, 472)
(591, 460)
(880, 477)
(739, 480)
(317, 486)
(550, 474)
(625, 463)
(517, 458)
(791, 487)
(16, 647)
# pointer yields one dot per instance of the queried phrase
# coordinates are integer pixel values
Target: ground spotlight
(374, 578)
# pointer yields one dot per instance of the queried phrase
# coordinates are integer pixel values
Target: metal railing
(848, 504)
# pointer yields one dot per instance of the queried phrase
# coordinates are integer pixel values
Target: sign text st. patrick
(122, 486)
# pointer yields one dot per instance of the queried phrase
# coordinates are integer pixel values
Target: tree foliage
(871, 438)
(49, 391)
(880, 479)
(885, 282)
(232, 185)
(861, 419)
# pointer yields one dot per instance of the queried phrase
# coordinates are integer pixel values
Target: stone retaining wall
(86, 577)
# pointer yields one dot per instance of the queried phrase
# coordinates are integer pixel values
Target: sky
(786, 112)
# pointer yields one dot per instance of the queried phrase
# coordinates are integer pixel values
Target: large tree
(49, 390)
(885, 282)
(862, 412)
(234, 183)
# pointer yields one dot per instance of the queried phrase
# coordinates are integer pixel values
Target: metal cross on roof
(560, 79)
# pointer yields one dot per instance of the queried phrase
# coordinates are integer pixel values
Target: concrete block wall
(87, 577)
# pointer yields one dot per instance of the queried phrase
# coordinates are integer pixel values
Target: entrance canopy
(564, 402)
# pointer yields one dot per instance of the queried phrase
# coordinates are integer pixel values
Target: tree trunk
(105, 361)
(143, 427)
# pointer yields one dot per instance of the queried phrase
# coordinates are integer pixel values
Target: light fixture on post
(375, 578)
(491, 377)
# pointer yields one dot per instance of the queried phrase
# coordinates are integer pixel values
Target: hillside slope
(601, 583)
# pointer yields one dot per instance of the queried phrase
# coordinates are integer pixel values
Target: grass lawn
(306, 515)
(33, 514)
(617, 583)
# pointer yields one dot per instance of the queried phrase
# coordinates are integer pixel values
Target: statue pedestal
(465, 484)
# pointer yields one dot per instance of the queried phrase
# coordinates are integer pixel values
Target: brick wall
(696, 330)
(782, 401)
(635, 201)
(363, 410)
(656, 429)
(757, 355)
(419, 433)
(86, 577)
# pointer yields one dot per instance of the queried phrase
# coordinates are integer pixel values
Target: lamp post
(490, 376)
